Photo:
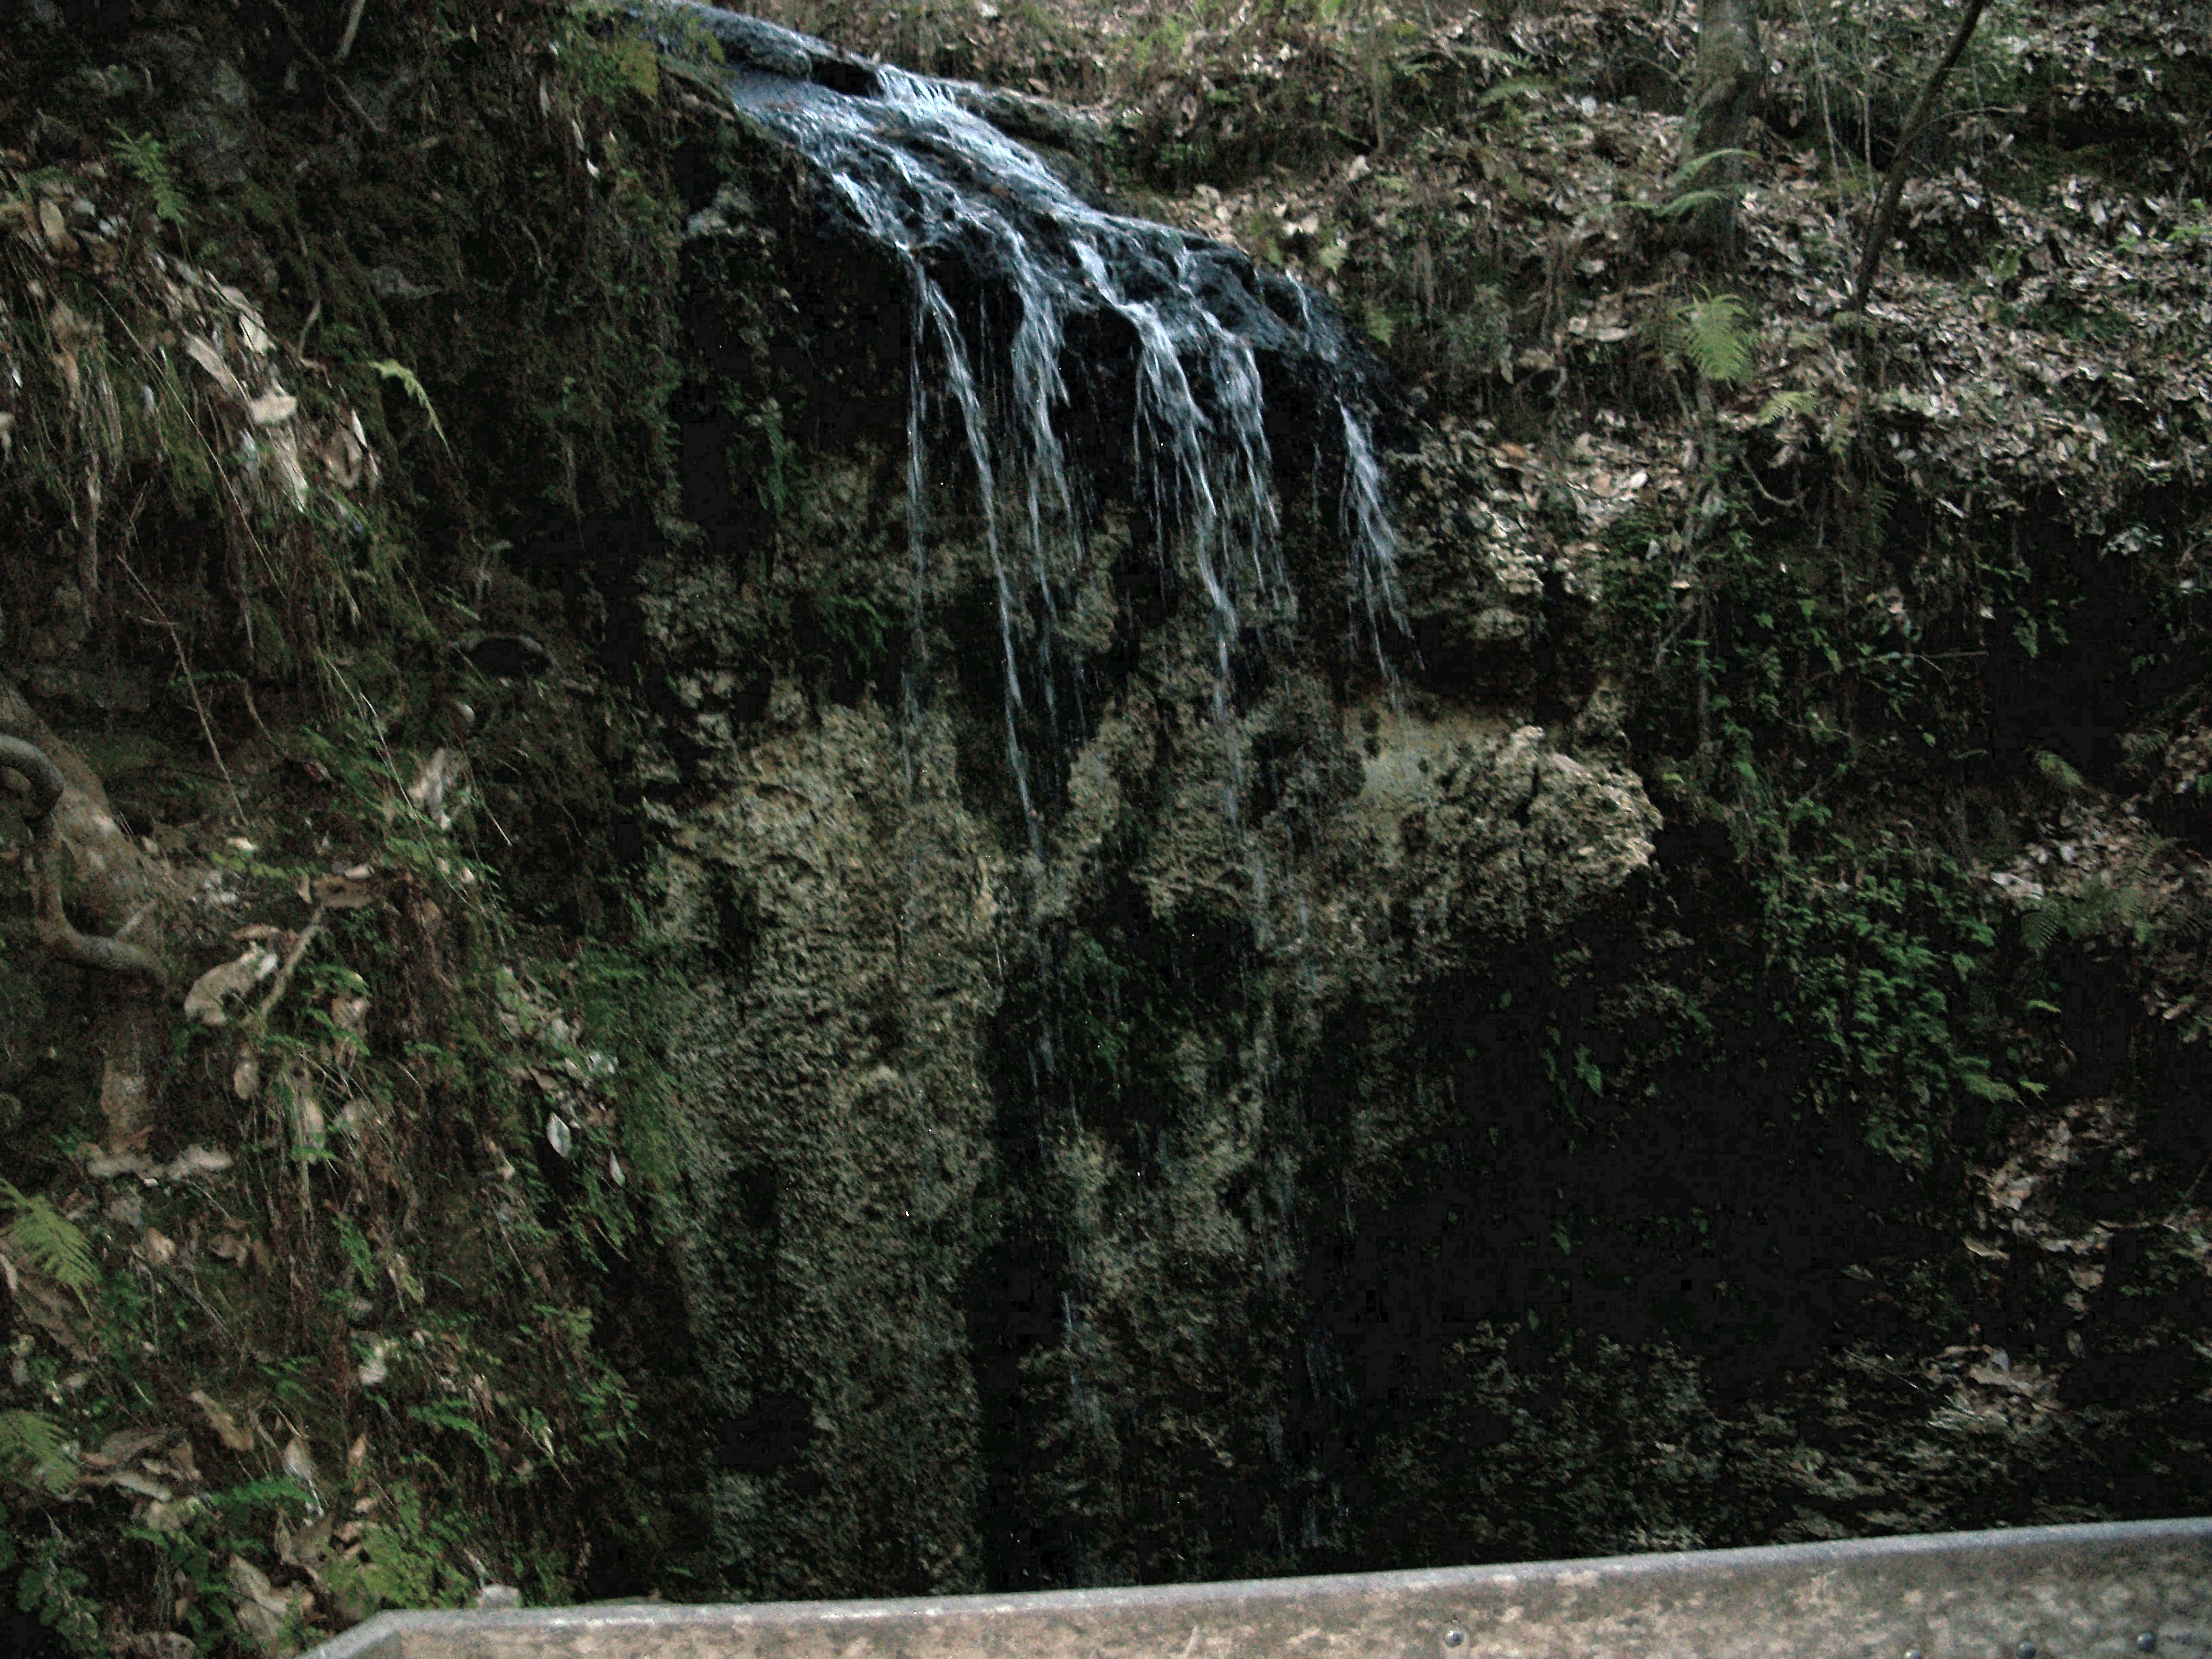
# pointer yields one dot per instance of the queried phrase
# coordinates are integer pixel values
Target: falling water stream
(945, 192)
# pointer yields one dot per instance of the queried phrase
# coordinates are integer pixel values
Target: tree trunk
(1916, 127)
(1730, 77)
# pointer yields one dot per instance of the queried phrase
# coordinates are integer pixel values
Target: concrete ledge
(2072, 1592)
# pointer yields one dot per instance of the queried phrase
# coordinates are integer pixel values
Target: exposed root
(55, 931)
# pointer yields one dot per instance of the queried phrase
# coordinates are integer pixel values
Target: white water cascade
(944, 191)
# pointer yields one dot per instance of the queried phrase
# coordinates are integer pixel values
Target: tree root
(55, 933)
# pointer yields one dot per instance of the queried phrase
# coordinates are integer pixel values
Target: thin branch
(345, 42)
(1916, 124)
(260, 1017)
(300, 346)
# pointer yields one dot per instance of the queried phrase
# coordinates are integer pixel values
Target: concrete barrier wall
(2032, 1593)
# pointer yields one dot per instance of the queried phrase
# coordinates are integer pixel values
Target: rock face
(840, 1127)
(1005, 1153)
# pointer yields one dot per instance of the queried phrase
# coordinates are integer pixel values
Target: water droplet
(1454, 1639)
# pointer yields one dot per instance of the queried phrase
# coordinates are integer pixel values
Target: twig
(192, 689)
(292, 26)
(1892, 189)
(300, 346)
(359, 108)
(345, 41)
(284, 974)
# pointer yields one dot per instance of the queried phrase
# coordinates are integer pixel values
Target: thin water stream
(960, 205)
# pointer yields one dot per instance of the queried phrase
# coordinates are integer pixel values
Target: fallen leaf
(204, 1002)
(179, 1462)
(427, 794)
(273, 407)
(307, 1111)
(196, 1159)
(344, 892)
(372, 1369)
(43, 1303)
(172, 1517)
(307, 1548)
(103, 1165)
(297, 1463)
(125, 1444)
(259, 1624)
(132, 1482)
(57, 228)
(224, 1424)
(201, 350)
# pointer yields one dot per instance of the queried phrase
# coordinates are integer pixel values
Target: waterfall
(1024, 301)
(945, 192)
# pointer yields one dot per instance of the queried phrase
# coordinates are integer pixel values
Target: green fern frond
(413, 387)
(29, 1437)
(1715, 337)
(2058, 772)
(55, 1244)
(1696, 164)
(1783, 405)
(2092, 910)
(1875, 502)
(1689, 202)
(1521, 85)
(146, 157)
(1974, 1078)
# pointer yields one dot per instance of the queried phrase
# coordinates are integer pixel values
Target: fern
(55, 1244)
(1715, 337)
(2093, 910)
(1973, 1076)
(1520, 85)
(399, 372)
(1689, 202)
(1875, 501)
(146, 156)
(2058, 772)
(1696, 164)
(33, 1438)
(1783, 405)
